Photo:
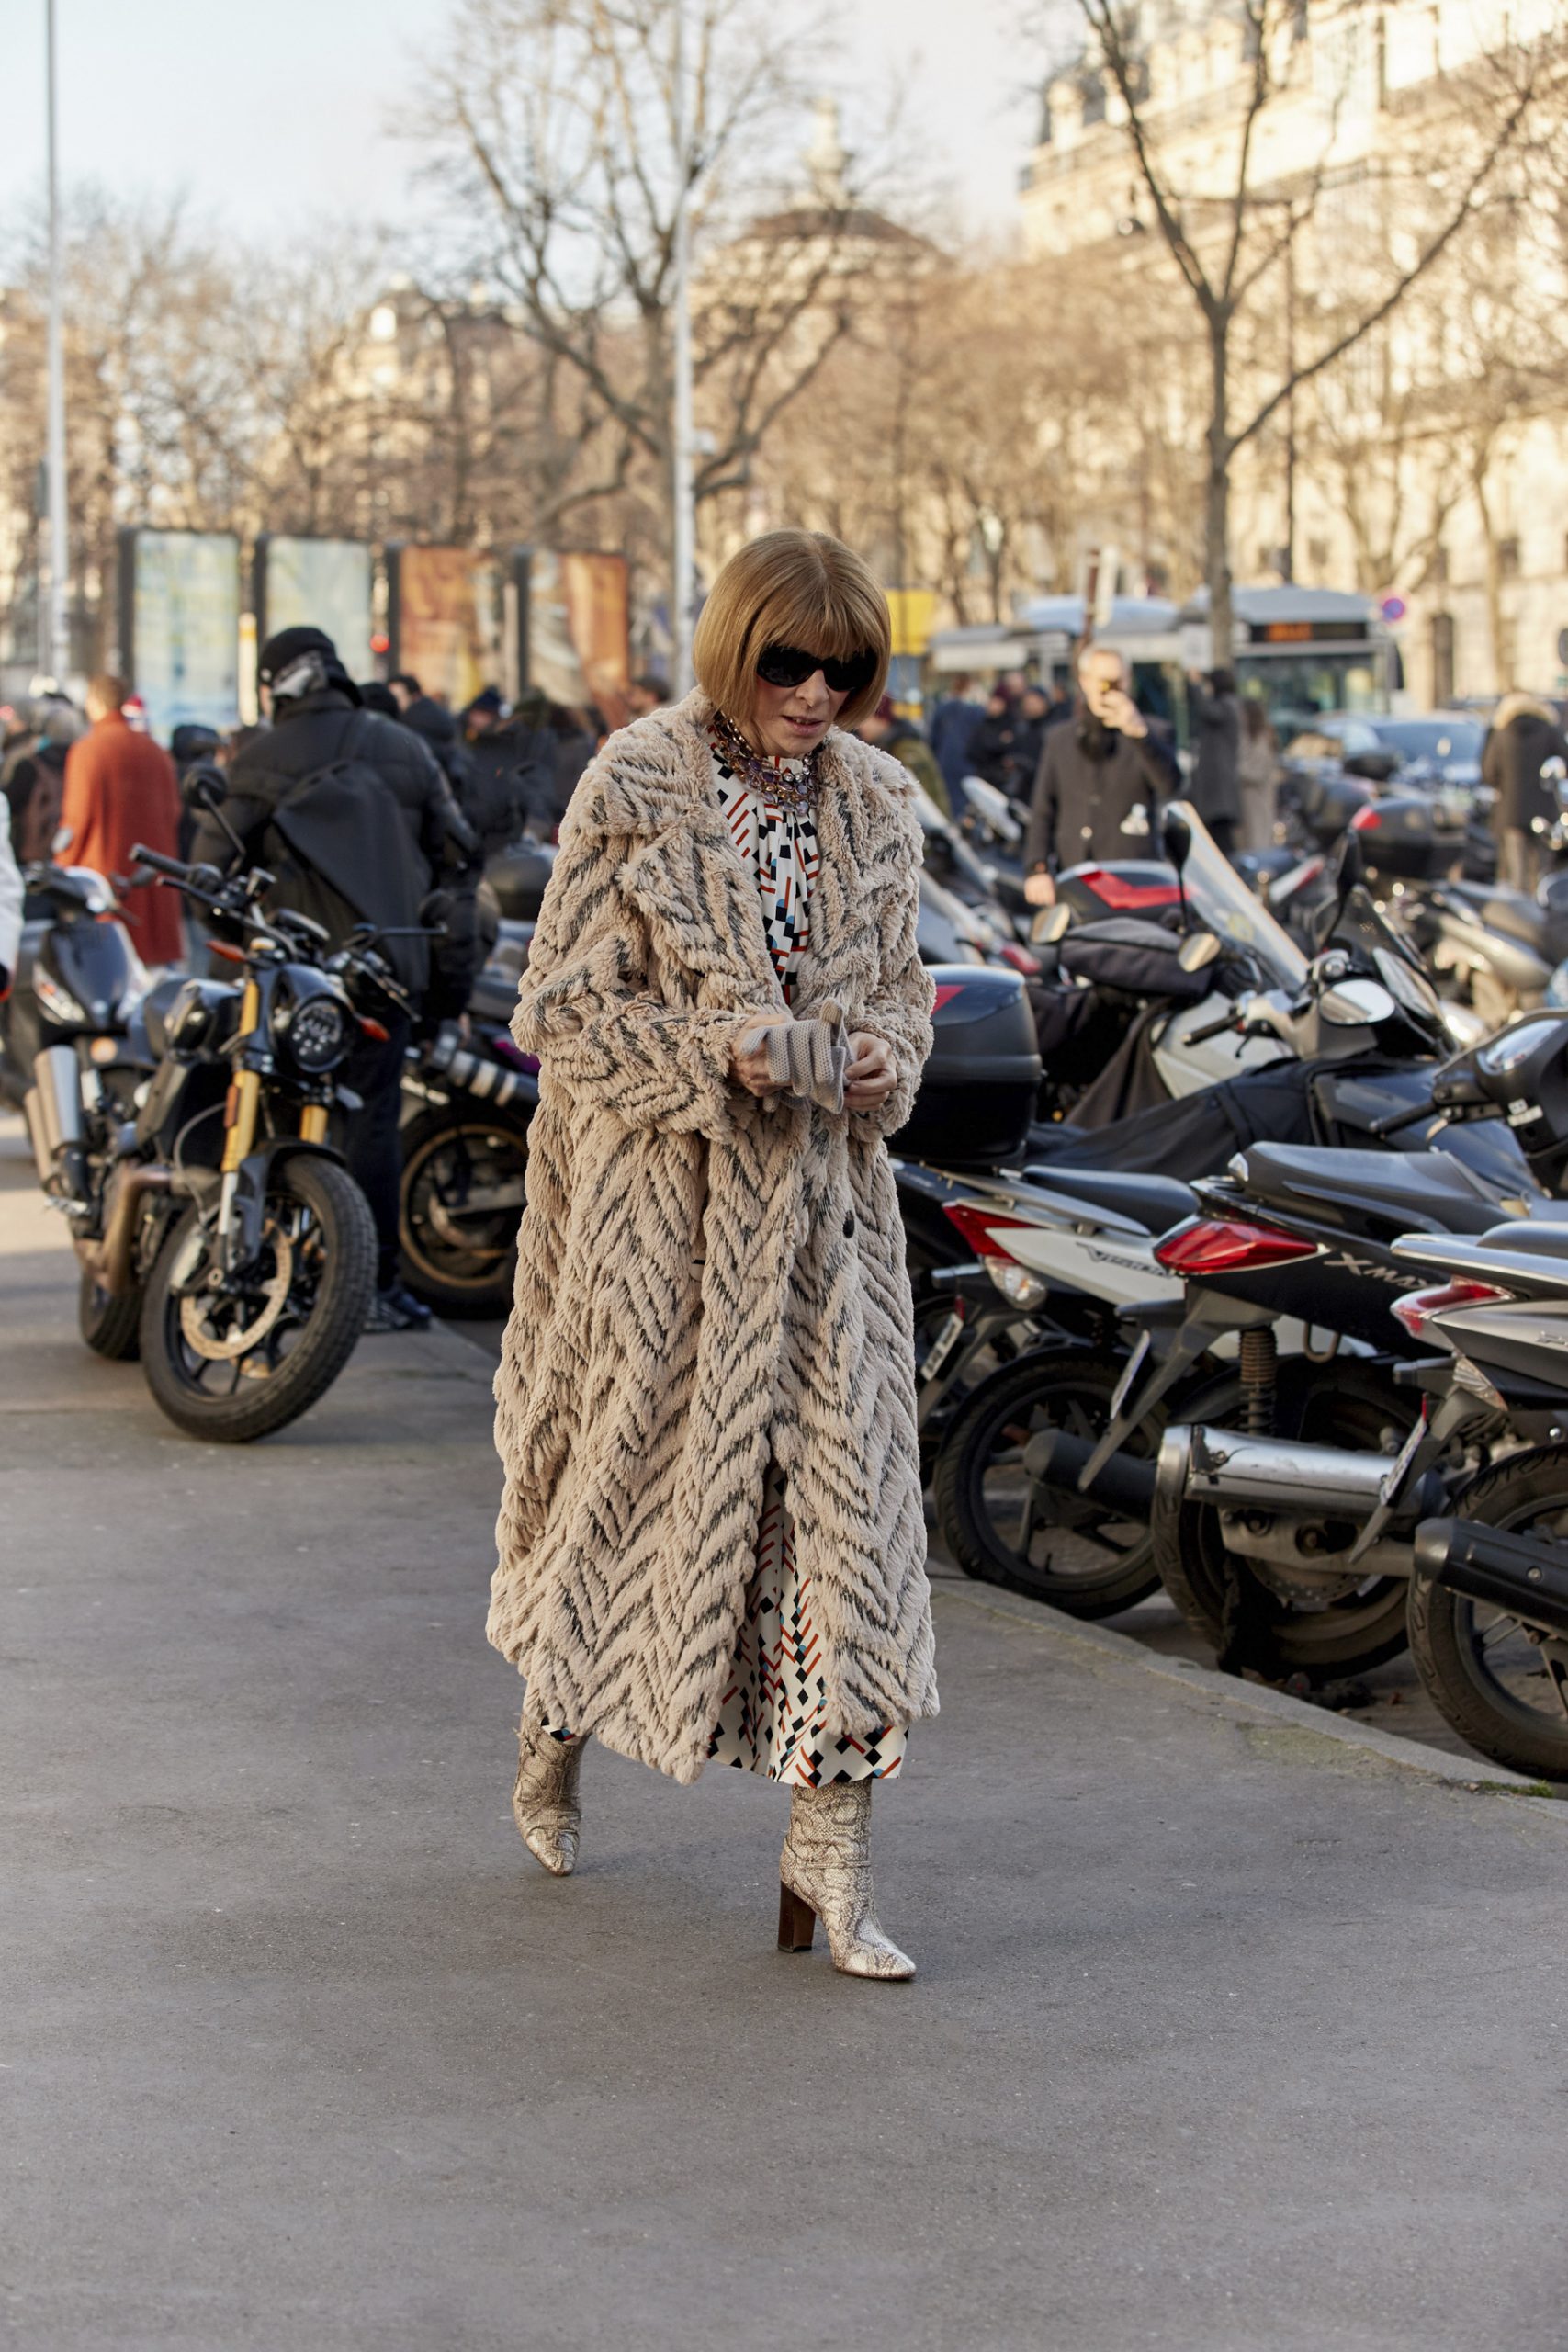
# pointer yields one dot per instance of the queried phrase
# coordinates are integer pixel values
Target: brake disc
(198, 1308)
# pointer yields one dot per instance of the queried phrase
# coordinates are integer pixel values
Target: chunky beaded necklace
(790, 783)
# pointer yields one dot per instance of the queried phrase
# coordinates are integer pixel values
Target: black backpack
(339, 844)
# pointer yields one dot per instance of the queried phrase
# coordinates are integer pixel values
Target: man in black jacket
(1523, 735)
(1100, 780)
(317, 724)
(1215, 790)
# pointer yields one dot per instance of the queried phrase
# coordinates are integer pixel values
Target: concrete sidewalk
(1228, 2036)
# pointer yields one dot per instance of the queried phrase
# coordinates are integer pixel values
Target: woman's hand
(1040, 890)
(871, 1076)
(748, 1063)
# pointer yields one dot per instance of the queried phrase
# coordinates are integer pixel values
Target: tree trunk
(1217, 498)
(1496, 624)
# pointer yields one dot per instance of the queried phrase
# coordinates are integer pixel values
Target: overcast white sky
(270, 113)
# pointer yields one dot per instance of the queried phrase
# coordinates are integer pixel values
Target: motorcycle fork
(240, 1113)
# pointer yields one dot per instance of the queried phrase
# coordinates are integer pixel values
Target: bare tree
(553, 125)
(1237, 232)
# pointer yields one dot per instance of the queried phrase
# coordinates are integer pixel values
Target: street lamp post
(683, 535)
(59, 636)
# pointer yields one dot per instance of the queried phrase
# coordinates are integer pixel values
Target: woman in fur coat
(711, 1539)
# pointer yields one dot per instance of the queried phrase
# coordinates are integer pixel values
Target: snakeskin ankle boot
(825, 1873)
(545, 1798)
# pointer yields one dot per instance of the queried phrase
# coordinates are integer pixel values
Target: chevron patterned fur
(703, 1279)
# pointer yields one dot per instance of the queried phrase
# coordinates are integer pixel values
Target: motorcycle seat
(1412, 1191)
(1540, 1238)
(1156, 1203)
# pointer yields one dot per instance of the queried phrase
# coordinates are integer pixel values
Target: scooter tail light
(980, 1227)
(1416, 1308)
(1227, 1246)
(1366, 820)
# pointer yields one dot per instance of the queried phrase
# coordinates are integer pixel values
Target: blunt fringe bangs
(790, 588)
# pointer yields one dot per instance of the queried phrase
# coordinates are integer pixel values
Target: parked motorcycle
(216, 1227)
(1295, 1241)
(467, 1104)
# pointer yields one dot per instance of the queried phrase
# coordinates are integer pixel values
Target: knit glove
(807, 1058)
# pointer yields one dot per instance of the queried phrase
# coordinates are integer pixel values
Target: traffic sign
(1393, 608)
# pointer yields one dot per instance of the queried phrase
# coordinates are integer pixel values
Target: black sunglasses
(788, 665)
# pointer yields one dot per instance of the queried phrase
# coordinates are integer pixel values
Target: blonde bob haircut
(797, 588)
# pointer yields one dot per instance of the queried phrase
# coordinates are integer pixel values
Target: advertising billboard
(179, 625)
(576, 639)
(323, 583)
(447, 620)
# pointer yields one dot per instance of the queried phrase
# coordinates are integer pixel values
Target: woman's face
(789, 722)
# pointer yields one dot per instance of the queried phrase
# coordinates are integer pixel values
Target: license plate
(941, 1347)
(1395, 1479)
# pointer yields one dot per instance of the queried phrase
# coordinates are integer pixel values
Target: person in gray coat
(1215, 787)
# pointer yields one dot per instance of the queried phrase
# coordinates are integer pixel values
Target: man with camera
(1099, 781)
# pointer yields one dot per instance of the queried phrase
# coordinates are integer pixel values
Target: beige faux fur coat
(704, 1279)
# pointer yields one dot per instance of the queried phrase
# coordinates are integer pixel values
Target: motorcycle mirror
(206, 794)
(1176, 840)
(1352, 865)
(1198, 949)
(1050, 925)
(1354, 1005)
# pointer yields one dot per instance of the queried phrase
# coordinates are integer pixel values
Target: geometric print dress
(773, 1718)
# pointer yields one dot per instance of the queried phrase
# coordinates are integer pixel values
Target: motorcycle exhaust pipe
(113, 1260)
(54, 1107)
(1510, 1572)
(1226, 1468)
(1055, 1459)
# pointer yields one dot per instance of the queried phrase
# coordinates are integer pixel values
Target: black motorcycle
(218, 1229)
(73, 1052)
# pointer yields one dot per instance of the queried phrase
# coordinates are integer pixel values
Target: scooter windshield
(1221, 901)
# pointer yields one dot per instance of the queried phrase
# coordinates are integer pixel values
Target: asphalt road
(1229, 2035)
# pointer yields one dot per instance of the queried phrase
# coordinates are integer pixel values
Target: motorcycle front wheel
(1501, 1690)
(235, 1365)
(1008, 1528)
(459, 1207)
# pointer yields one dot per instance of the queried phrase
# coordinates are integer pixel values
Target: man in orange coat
(121, 789)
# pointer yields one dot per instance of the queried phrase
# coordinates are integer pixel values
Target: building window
(1317, 556)
(1508, 559)
(1440, 567)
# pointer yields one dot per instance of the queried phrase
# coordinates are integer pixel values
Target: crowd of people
(364, 800)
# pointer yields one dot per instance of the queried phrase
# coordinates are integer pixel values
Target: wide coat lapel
(686, 876)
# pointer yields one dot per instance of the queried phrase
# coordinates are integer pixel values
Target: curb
(1254, 1700)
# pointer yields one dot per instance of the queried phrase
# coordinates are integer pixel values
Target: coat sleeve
(76, 806)
(1040, 837)
(585, 1007)
(899, 1012)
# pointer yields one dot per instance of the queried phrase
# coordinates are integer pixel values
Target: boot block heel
(797, 1921)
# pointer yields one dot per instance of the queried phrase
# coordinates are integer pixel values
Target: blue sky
(274, 113)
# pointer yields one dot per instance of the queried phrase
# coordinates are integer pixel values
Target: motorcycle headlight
(1016, 1283)
(319, 1032)
(57, 998)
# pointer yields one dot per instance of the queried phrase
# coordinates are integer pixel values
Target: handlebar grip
(1210, 1029)
(157, 861)
(1392, 1125)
